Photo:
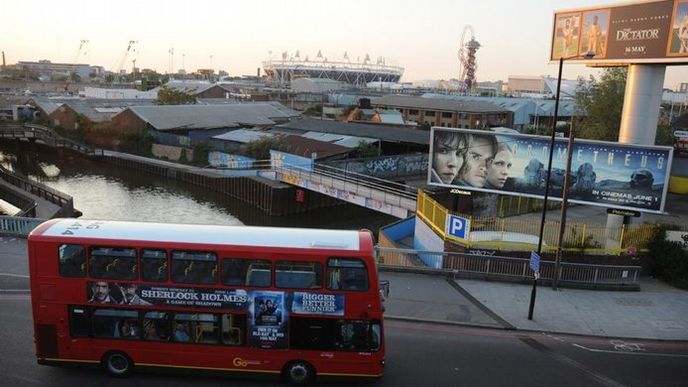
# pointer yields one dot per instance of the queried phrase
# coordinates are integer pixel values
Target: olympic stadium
(285, 70)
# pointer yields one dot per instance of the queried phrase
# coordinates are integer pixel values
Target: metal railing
(16, 226)
(393, 193)
(47, 135)
(62, 200)
(497, 267)
(578, 237)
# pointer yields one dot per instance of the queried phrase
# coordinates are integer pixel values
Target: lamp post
(564, 207)
(533, 292)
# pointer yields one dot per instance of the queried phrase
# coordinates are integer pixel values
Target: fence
(16, 226)
(515, 269)
(578, 237)
(64, 201)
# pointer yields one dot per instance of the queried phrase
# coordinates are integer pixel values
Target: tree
(168, 96)
(599, 105)
(367, 149)
(260, 149)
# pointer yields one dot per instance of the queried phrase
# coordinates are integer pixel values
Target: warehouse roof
(387, 133)
(171, 117)
(436, 104)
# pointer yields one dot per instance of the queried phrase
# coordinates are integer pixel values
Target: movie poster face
(602, 173)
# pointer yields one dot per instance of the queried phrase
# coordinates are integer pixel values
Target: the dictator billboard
(607, 174)
(635, 32)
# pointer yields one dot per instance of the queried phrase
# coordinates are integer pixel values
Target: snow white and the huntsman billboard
(605, 174)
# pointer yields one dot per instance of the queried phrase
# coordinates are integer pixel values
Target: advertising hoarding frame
(561, 144)
(639, 32)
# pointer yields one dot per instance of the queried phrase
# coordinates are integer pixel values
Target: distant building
(102, 93)
(47, 69)
(541, 87)
(316, 85)
(527, 84)
(445, 112)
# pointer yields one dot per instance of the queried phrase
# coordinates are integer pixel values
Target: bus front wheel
(299, 372)
(118, 364)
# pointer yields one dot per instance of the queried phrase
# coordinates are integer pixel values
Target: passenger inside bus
(181, 332)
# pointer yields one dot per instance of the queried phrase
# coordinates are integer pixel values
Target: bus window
(233, 329)
(346, 274)
(196, 328)
(113, 263)
(258, 273)
(116, 323)
(79, 321)
(357, 335)
(194, 267)
(311, 333)
(156, 326)
(154, 265)
(238, 272)
(298, 275)
(72, 260)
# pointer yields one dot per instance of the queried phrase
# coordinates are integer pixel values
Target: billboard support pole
(549, 172)
(642, 100)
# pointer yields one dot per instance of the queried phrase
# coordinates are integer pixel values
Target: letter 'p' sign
(457, 226)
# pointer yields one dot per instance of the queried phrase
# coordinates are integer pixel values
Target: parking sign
(457, 227)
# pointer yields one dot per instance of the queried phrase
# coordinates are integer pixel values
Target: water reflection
(104, 191)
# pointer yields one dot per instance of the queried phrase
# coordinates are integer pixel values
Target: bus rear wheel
(298, 372)
(118, 364)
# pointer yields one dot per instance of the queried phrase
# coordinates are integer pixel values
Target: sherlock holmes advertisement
(602, 173)
(268, 320)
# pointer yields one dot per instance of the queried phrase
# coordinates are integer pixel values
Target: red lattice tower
(467, 62)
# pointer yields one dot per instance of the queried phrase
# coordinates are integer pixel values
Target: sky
(237, 36)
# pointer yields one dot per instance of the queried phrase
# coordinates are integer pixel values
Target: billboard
(605, 174)
(647, 32)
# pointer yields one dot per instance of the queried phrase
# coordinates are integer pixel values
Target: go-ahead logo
(239, 362)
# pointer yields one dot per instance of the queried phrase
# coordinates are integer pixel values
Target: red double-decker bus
(290, 302)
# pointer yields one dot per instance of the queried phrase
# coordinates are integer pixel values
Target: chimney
(258, 72)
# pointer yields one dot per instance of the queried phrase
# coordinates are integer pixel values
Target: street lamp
(587, 55)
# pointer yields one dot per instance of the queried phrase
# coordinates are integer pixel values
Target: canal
(104, 191)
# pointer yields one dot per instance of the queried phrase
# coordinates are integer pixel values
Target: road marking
(602, 379)
(14, 275)
(624, 352)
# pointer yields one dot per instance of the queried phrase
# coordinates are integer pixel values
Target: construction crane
(120, 64)
(467, 64)
(72, 74)
(82, 46)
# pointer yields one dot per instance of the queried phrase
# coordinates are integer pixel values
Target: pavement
(657, 311)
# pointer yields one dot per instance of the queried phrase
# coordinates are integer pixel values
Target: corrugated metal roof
(169, 117)
(387, 133)
(437, 104)
(189, 87)
(339, 139)
(45, 104)
(95, 109)
(305, 147)
(392, 118)
(243, 135)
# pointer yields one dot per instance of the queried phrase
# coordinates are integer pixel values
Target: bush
(668, 260)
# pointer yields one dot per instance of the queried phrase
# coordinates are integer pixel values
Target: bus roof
(200, 234)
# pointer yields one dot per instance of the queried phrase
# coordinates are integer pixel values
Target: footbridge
(381, 195)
